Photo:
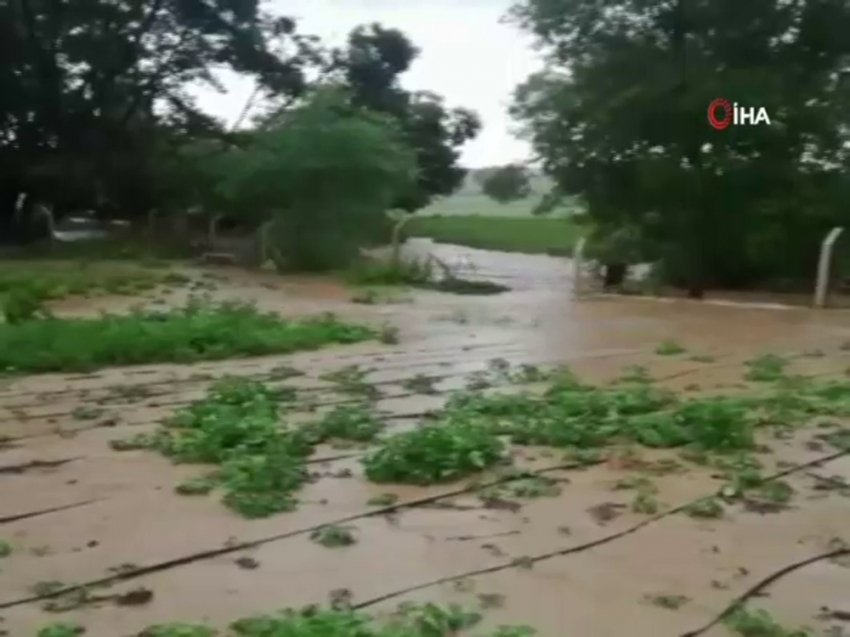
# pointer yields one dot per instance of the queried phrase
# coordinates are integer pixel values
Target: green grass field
(470, 218)
(533, 235)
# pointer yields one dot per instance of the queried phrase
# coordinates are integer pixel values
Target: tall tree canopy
(323, 174)
(92, 90)
(619, 117)
(507, 183)
(371, 66)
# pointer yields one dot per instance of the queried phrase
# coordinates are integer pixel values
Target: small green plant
(702, 358)
(61, 629)
(22, 305)
(351, 379)
(439, 452)
(671, 602)
(5, 548)
(645, 503)
(383, 500)
(420, 384)
(333, 536)
(766, 369)
(181, 630)
(669, 348)
(389, 335)
(759, 623)
(356, 423)
(706, 508)
(86, 413)
(413, 272)
(196, 486)
(525, 484)
(635, 374)
(636, 483)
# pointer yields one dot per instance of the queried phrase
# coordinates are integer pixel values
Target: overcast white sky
(466, 55)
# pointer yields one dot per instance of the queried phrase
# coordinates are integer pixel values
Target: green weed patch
(59, 279)
(440, 452)
(195, 332)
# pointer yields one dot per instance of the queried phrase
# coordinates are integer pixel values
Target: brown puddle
(104, 511)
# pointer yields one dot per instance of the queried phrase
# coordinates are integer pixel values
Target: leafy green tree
(321, 175)
(92, 90)
(370, 66)
(619, 117)
(507, 183)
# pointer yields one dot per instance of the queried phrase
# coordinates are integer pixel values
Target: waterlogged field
(493, 466)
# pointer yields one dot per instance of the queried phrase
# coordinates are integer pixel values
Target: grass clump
(670, 602)
(529, 234)
(55, 280)
(5, 548)
(333, 536)
(414, 272)
(434, 453)
(669, 348)
(383, 500)
(766, 369)
(195, 332)
(408, 271)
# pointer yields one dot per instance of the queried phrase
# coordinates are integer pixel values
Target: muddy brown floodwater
(77, 511)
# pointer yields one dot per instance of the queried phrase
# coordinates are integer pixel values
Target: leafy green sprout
(669, 348)
(61, 629)
(333, 536)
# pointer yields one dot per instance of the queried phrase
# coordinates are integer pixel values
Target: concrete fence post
(578, 267)
(824, 263)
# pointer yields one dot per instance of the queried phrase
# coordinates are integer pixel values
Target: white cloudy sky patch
(466, 54)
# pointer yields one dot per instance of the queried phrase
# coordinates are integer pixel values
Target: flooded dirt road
(581, 561)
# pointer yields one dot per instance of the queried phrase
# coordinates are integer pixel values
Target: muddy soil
(579, 563)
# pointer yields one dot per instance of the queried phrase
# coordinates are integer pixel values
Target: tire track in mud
(580, 548)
